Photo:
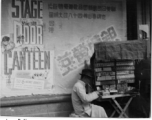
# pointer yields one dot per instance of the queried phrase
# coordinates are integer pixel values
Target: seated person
(81, 101)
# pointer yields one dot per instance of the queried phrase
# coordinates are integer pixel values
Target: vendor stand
(114, 70)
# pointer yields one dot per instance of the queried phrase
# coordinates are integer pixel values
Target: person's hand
(88, 89)
(98, 93)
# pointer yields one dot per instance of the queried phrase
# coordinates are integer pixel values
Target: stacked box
(122, 87)
(114, 74)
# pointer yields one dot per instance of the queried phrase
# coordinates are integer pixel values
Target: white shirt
(81, 100)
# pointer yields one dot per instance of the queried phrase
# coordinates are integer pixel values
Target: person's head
(5, 40)
(87, 76)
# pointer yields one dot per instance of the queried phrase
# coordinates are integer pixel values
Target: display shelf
(111, 74)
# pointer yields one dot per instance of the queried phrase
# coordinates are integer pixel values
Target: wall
(70, 33)
(65, 34)
(144, 22)
(37, 106)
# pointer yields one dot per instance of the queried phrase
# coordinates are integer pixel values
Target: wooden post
(150, 24)
(143, 18)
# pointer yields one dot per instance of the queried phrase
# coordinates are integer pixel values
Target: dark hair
(6, 38)
(84, 76)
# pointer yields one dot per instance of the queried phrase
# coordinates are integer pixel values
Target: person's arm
(81, 92)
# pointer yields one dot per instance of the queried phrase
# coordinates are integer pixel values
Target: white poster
(72, 27)
(26, 64)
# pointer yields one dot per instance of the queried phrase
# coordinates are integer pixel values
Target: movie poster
(74, 26)
(45, 44)
(26, 65)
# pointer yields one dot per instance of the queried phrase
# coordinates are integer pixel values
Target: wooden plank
(114, 96)
(37, 110)
(34, 99)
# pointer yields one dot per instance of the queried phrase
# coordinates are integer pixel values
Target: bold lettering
(10, 55)
(32, 34)
(15, 60)
(22, 8)
(22, 60)
(27, 9)
(112, 32)
(17, 31)
(26, 35)
(34, 61)
(40, 61)
(39, 9)
(47, 60)
(34, 11)
(39, 35)
(5, 63)
(29, 60)
(50, 6)
(17, 10)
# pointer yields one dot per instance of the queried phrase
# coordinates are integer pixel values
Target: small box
(122, 87)
(105, 92)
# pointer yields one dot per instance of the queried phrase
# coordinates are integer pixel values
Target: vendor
(82, 101)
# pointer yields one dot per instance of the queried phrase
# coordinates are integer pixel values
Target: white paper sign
(23, 83)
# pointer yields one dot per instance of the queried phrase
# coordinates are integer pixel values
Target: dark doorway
(131, 19)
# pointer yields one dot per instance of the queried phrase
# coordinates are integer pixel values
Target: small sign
(23, 83)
